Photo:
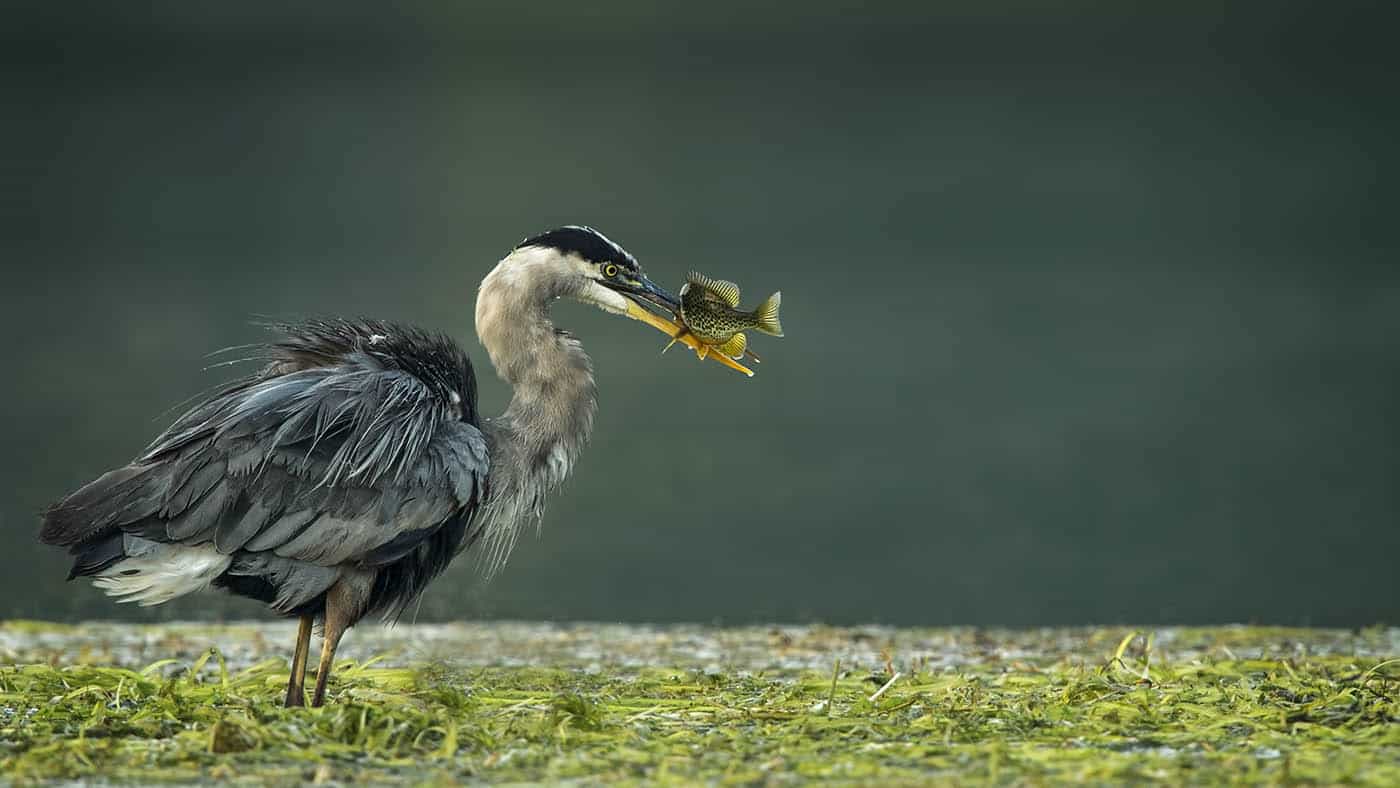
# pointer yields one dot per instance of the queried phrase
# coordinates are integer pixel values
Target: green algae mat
(541, 703)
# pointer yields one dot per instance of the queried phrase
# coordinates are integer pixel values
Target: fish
(710, 314)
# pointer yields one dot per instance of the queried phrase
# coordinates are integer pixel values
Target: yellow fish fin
(734, 348)
(678, 336)
(767, 315)
(728, 291)
(702, 350)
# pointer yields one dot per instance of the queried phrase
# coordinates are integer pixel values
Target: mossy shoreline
(513, 702)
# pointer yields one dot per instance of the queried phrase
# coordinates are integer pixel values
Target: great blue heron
(343, 476)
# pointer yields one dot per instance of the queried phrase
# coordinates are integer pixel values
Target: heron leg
(337, 621)
(295, 696)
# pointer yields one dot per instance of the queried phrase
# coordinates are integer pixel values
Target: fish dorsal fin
(725, 290)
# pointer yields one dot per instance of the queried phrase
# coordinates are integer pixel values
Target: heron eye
(610, 270)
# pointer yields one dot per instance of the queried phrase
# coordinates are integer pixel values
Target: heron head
(604, 274)
(579, 263)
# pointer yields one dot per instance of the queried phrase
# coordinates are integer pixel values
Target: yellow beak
(638, 312)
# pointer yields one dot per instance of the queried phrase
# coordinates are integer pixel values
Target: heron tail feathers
(119, 496)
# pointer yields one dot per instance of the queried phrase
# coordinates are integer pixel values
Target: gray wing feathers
(356, 443)
(297, 582)
(321, 465)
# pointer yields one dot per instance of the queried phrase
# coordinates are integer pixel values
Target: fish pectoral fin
(734, 348)
(678, 336)
(702, 350)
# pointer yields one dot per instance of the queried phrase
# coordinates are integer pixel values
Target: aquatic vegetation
(1199, 706)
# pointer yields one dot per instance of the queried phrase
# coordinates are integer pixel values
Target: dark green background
(1092, 312)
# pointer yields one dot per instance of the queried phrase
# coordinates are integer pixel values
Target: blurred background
(1091, 311)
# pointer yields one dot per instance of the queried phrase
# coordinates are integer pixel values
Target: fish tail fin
(767, 315)
(734, 348)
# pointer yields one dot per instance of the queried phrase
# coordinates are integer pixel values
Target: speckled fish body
(710, 313)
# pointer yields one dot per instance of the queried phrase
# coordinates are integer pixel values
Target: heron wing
(323, 465)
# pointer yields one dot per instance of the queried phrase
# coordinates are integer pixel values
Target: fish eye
(610, 270)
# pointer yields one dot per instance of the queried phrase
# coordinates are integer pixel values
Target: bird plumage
(356, 447)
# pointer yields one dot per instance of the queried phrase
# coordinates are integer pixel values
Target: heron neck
(550, 416)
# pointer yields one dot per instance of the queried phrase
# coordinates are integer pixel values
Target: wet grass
(1222, 706)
